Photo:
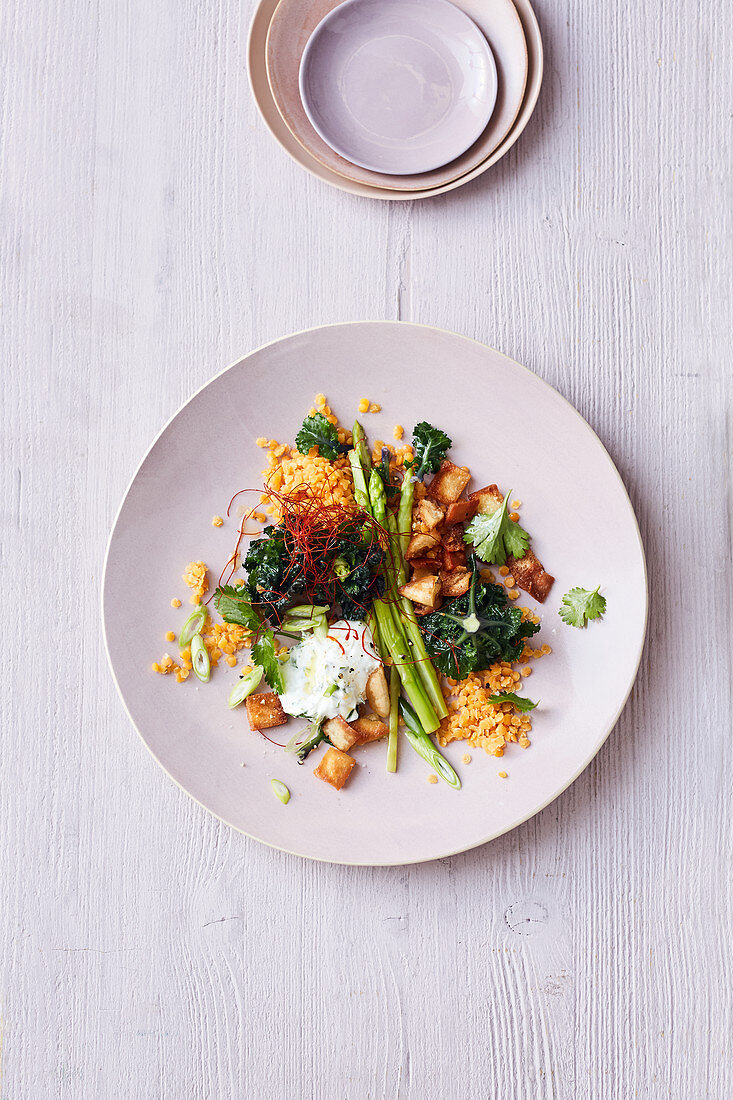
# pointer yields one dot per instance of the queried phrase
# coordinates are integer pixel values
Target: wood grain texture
(152, 232)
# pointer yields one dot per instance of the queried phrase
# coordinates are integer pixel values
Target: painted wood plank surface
(151, 232)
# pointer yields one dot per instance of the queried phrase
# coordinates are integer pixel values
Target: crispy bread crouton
(265, 711)
(424, 588)
(452, 559)
(377, 693)
(452, 539)
(420, 610)
(530, 575)
(370, 729)
(430, 514)
(455, 583)
(339, 733)
(425, 565)
(335, 768)
(460, 512)
(487, 500)
(449, 482)
(420, 544)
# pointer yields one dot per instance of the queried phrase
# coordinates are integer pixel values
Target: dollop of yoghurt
(326, 676)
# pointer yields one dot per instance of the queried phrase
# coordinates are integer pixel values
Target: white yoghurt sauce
(326, 676)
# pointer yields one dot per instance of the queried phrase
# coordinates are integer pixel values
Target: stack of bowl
(395, 99)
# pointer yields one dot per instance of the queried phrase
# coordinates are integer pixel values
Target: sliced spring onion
(244, 686)
(200, 658)
(424, 747)
(281, 791)
(193, 625)
(330, 691)
(306, 611)
(302, 743)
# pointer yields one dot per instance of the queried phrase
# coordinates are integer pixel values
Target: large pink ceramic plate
(509, 427)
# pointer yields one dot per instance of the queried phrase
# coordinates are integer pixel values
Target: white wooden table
(152, 231)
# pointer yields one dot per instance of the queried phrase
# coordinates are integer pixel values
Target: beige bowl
(293, 24)
(257, 67)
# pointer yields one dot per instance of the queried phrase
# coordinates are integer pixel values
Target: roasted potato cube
(425, 565)
(339, 733)
(370, 729)
(424, 588)
(487, 500)
(453, 559)
(420, 610)
(449, 482)
(460, 512)
(420, 544)
(265, 711)
(530, 575)
(455, 583)
(430, 514)
(335, 768)
(377, 692)
(452, 539)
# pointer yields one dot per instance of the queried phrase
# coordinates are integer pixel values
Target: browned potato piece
(430, 514)
(420, 544)
(264, 711)
(487, 500)
(449, 482)
(530, 575)
(339, 733)
(455, 583)
(335, 768)
(377, 692)
(424, 588)
(452, 539)
(460, 512)
(370, 729)
(420, 610)
(425, 565)
(453, 559)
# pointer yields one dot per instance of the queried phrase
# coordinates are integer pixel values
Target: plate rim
(520, 820)
(308, 50)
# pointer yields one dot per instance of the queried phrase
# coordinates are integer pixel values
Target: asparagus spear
(397, 575)
(394, 718)
(394, 641)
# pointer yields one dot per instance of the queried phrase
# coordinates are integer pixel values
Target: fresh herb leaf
(234, 606)
(495, 536)
(318, 432)
(474, 631)
(430, 446)
(579, 605)
(520, 704)
(263, 653)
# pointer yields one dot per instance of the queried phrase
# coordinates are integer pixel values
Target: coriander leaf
(233, 604)
(520, 704)
(430, 446)
(318, 432)
(263, 653)
(494, 536)
(579, 605)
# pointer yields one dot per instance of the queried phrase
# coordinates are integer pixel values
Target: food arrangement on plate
(378, 599)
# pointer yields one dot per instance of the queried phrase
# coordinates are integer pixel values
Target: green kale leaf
(430, 446)
(474, 631)
(317, 431)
